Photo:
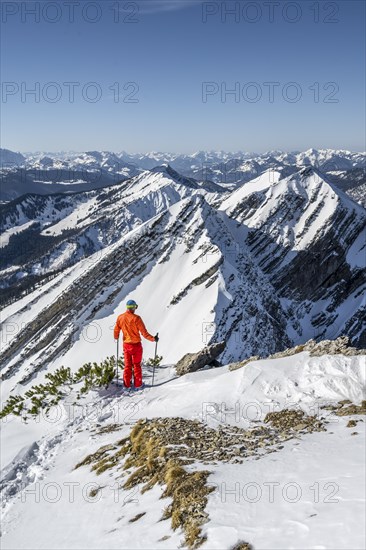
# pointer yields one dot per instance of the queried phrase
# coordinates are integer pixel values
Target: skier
(131, 326)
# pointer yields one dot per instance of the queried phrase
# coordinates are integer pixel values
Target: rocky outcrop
(192, 362)
(346, 408)
(240, 364)
(289, 419)
(334, 347)
(340, 346)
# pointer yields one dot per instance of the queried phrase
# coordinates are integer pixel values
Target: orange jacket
(131, 325)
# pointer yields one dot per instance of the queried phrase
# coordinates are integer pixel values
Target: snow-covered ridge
(336, 159)
(228, 169)
(89, 220)
(236, 272)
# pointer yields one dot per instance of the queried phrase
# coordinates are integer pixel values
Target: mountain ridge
(95, 169)
(243, 271)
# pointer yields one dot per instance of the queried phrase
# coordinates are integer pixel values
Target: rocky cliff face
(309, 239)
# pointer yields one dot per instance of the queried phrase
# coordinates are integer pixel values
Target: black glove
(156, 337)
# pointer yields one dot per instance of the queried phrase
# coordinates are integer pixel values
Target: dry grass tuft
(99, 454)
(187, 490)
(137, 517)
(93, 492)
(189, 493)
(241, 545)
(109, 429)
(153, 461)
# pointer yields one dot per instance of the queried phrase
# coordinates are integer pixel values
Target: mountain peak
(163, 168)
(310, 171)
(167, 170)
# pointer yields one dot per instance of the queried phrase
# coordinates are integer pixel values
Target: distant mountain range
(45, 173)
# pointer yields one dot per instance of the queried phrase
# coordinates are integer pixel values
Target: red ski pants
(133, 358)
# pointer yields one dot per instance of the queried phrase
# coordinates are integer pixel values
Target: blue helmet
(131, 304)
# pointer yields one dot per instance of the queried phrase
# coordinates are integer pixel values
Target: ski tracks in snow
(28, 467)
(33, 461)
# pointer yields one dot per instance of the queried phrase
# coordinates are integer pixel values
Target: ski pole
(117, 360)
(156, 351)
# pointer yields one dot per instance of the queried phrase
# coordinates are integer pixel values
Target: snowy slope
(309, 493)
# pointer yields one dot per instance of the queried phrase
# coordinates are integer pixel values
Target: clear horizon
(187, 75)
(294, 151)
(180, 153)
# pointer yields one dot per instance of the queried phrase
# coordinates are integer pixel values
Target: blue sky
(156, 75)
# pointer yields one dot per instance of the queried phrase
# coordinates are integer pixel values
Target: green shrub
(154, 361)
(60, 383)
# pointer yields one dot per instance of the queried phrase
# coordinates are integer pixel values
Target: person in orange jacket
(132, 326)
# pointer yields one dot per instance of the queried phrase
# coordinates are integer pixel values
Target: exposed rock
(340, 346)
(108, 429)
(351, 424)
(191, 440)
(240, 364)
(351, 409)
(334, 347)
(204, 278)
(288, 419)
(192, 362)
(242, 546)
(292, 351)
(345, 402)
